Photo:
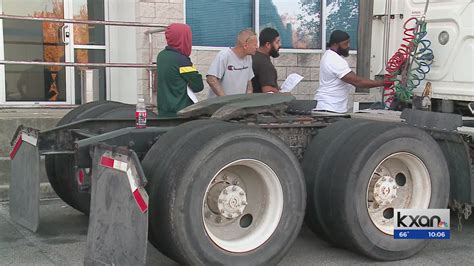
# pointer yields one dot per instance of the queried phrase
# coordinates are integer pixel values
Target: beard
(274, 52)
(343, 52)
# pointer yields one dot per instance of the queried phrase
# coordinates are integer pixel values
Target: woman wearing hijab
(176, 72)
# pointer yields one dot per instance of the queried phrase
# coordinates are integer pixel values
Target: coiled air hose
(410, 63)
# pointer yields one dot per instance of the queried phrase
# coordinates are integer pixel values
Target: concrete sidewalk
(61, 238)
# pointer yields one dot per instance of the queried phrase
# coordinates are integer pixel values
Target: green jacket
(175, 73)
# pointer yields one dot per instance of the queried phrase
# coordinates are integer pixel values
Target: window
(216, 23)
(343, 15)
(39, 41)
(33, 41)
(299, 22)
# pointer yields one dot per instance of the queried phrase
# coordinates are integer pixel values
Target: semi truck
(232, 179)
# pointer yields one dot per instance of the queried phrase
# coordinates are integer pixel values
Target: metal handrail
(155, 31)
(161, 27)
(77, 21)
(150, 58)
(149, 67)
(72, 64)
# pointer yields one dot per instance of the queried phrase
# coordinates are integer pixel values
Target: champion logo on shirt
(231, 68)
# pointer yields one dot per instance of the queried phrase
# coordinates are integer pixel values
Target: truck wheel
(239, 191)
(60, 168)
(158, 160)
(316, 163)
(379, 168)
(88, 110)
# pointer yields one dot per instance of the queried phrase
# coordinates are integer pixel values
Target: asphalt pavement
(61, 237)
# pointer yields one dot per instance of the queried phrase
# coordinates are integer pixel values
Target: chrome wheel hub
(385, 190)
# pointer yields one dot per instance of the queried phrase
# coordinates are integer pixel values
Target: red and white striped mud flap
(139, 193)
(24, 178)
(118, 220)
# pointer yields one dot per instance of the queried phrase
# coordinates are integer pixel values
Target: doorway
(25, 40)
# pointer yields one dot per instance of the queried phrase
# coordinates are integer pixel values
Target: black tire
(60, 168)
(88, 110)
(180, 181)
(156, 163)
(65, 182)
(317, 161)
(343, 187)
(160, 154)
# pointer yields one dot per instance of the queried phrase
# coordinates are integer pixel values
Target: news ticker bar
(421, 234)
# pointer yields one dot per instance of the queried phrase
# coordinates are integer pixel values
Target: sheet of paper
(290, 83)
(192, 96)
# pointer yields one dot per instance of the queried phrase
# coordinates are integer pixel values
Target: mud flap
(457, 156)
(24, 179)
(118, 221)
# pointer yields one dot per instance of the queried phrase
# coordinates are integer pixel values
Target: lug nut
(219, 201)
(218, 219)
(241, 193)
(224, 191)
(236, 182)
(394, 187)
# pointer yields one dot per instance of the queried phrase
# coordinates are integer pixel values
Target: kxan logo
(421, 221)
(422, 224)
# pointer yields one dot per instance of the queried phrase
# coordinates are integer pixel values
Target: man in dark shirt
(176, 72)
(265, 79)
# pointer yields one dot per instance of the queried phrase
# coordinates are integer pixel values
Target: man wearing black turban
(336, 79)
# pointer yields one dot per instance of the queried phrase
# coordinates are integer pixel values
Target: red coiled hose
(396, 62)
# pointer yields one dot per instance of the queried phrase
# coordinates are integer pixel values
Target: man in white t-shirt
(231, 71)
(336, 79)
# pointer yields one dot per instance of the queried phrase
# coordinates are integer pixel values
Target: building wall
(122, 81)
(170, 11)
(160, 12)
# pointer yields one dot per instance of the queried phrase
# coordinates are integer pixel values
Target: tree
(341, 15)
(310, 21)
